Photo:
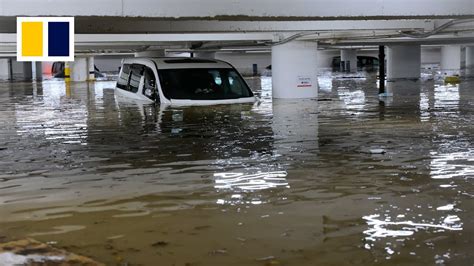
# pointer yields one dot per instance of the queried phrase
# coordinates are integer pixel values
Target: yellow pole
(68, 89)
(67, 72)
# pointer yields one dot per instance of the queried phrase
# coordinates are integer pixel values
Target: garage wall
(430, 56)
(243, 62)
(325, 58)
(109, 63)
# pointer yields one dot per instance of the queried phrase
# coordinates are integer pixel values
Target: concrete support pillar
(349, 60)
(90, 68)
(403, 62)
(470, 61)
(451, 60)
(27, 72)
(33, 70)
(20, 70)
(37, 70)
(151, 53)
(79, 69)
(294, 70)
(207, 55)
(470, 57)
(382, 90)
(5, 69)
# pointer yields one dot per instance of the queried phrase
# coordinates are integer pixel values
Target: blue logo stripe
(58, 38)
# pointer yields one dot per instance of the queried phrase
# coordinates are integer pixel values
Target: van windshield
(203, 84)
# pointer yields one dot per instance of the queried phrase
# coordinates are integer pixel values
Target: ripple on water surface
(279, 182)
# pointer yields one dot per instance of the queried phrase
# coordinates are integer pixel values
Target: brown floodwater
(349, 179)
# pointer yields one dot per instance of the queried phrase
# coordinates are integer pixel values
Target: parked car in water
(57, 70)
(182, 81)
(368, 63)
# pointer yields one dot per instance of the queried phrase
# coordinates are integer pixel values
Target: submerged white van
(182, 81)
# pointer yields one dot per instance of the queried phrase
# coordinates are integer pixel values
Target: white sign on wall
(304, 82)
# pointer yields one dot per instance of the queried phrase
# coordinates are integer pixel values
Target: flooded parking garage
(346, 179)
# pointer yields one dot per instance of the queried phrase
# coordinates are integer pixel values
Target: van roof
(181, 62)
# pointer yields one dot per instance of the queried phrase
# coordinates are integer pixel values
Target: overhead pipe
(436, 30)
(400, 34)
(294, 37)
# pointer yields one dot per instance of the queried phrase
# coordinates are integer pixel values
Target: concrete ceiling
(243, 10)
(110, 26)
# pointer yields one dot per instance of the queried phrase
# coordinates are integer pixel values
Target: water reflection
(352, 94)
(244, 188)
(354, 100)
(407, 221)
(381, 228)
(250, 182)
(446, 97)
(295, 128)
(452, 165)
(295, 134)
(49, 115)
(425, 113)
(204, 180)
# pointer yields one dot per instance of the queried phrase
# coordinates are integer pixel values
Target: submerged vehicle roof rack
(188, 60)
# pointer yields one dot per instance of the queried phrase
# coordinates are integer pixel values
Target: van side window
(131, 77)
(149, 86)
(136, 73)
(122, 81)
(236, 85)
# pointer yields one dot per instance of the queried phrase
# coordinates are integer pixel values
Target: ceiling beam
(246, 10)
